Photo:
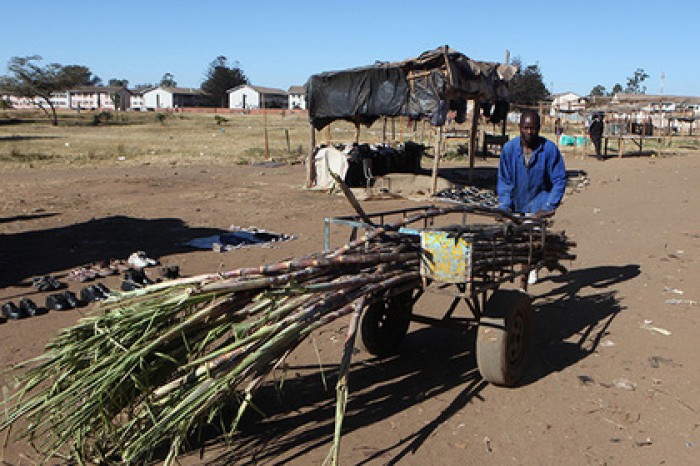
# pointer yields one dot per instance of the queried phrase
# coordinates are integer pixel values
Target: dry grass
(26, 137)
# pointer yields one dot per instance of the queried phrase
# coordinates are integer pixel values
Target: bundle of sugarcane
(155, 365)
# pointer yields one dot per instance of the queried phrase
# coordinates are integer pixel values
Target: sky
(577, 45)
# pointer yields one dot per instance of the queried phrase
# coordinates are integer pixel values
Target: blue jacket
(528, 189)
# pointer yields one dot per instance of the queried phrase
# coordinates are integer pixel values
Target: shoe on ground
(30, 308)
(57, 302)
(104, 291)
(532, 277)
(48, 283)
(169, 272)
(130, 285)
(91, 294)
(139, 260)
(72, 300)
(137, 276)
(12, 312)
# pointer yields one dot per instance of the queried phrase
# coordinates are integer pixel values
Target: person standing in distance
(595, 131)
(531, 171)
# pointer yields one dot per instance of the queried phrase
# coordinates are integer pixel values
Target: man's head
(530, 128)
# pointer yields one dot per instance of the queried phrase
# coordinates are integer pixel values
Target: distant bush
(220, 120)
(101, 118)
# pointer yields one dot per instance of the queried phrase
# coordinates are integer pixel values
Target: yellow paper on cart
(445, 259)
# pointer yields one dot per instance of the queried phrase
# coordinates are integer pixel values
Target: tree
(31, 80)
(220, 78)
(80, 75)
(118, 82)
(617, 88)
(168, 80)
(598, 90)
(527, 87)
(634, 83)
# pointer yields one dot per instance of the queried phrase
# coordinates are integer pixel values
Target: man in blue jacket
(531, 172)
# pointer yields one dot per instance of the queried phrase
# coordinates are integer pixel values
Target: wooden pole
(357, 133)
(473, 138)
(401, 129)
(267, 143)
(289, 145)
(393, 129)
(384, 129)
(436, 162)
(310, 165)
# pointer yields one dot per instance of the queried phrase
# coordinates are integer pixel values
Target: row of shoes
(98, 269)
(63, 301)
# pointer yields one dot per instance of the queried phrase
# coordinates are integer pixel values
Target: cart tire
(384, 324)
(503, 337)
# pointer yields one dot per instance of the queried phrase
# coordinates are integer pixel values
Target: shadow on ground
(570, 321)
(484, 177)
(300, 418)
(34, 253)
(24, 138)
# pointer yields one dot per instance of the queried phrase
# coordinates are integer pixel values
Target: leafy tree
(220, 78)
(527, 87)
(118, 82)
(617, 88)
(80, 75)
(598, 90)
(634, 83)
(31, 80)
(168, 80)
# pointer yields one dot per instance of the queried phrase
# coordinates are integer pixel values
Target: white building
(173, 97)
(297, 97)
(137, 101)
(248, 96)
(567, 102)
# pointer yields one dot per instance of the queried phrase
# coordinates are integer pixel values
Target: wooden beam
(267, 139)
(310, 165)
(436, 162)
(473, 138)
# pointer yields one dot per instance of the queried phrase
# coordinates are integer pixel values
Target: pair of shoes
(12, 312)
(139, 260)
(47, 283)
(30, 307)
(63, 301)
(82, 274)
(96, 292)
(118, 265)
(135, 278)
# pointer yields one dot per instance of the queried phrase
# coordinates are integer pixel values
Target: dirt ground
(612, 377)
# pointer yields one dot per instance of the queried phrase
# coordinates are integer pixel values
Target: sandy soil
(612, 377)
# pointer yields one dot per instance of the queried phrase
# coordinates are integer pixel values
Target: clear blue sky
(281, 43)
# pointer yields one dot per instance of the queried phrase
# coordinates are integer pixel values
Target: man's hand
(544, 214)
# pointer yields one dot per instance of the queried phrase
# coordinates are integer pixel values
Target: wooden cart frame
(502, 317)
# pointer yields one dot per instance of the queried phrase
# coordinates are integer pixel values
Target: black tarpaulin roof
(412, 87)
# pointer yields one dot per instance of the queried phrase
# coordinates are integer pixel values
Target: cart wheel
(503, 337)
(384, 324)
